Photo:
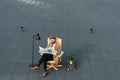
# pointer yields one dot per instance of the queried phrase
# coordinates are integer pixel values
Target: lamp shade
(38, 36)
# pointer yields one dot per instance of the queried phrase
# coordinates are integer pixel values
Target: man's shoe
(35, 67)
(44, 73)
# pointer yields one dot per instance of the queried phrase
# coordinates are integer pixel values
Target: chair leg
(55, 68)
(59, 66)
(52, 66)
(49, 67)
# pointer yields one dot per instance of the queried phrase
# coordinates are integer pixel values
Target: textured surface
(97, 54)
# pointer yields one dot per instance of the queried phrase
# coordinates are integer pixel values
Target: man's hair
(52, 37)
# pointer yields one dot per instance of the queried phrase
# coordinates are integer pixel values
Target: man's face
(52, 40)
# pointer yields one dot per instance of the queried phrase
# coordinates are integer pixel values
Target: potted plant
(71, 58)
(71, 62)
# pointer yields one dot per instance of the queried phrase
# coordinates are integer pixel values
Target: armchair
(57, 58)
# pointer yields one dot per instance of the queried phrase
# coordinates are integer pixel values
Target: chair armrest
(62, 52)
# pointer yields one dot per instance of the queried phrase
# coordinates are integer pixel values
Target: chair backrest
(58, 40)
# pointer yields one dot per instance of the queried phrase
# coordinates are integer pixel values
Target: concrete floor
(97, 54)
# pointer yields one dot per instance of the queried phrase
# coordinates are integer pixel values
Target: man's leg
(47, 58)
(39, 62)
(45, 68)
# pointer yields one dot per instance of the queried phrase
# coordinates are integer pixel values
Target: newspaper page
(50, 50)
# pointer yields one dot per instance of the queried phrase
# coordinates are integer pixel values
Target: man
(47, 57)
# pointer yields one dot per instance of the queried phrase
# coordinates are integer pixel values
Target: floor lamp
(37, 37)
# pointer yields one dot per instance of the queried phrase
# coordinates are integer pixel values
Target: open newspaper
(50, 50)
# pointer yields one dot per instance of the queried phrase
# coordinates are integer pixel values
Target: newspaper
(50, 50)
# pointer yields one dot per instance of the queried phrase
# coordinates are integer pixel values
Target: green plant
(71, 57)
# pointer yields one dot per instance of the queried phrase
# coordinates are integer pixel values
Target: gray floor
(97, 54)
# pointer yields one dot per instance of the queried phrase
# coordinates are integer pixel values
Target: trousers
(44, 59)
